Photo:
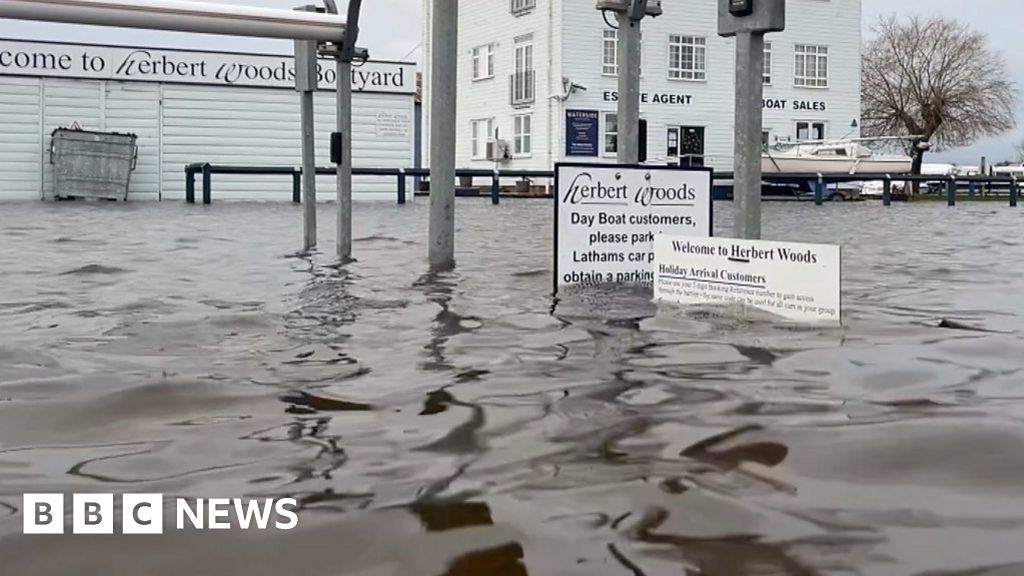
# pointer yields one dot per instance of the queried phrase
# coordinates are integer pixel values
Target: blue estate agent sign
(581, 133)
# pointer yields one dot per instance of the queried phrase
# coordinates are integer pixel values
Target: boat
(848, 156)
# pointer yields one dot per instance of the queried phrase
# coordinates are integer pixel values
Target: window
(482, 132)
(522, 6)
(673, 142)
(768, 63)
(610, 53)
(523, 79)
(522, 135)
(483, 62)
(811, 66)
(687, 57)
(611, 134)
(810, 131)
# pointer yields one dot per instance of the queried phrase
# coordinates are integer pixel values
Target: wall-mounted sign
(393, 124)
(84, 61)
(582, 133)
(607, 216)
(654, 98)
(795, 281)
(799, 105)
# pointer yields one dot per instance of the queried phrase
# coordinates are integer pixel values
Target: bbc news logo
(144, 514)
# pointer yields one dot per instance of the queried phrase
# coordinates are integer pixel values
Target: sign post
(629, 13)
(607, 217)
(306, 79)
(748, 21)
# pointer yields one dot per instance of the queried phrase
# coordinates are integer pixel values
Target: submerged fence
(818, 183)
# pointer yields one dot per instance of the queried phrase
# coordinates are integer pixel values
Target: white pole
(182, 15)
(443, 88)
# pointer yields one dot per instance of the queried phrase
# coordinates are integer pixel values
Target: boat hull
(784, 165)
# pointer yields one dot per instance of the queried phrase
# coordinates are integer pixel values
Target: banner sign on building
(607, 217)
(90, 62)
(582, 133)
(798, 282)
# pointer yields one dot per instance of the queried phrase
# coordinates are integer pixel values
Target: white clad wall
(482, 23)
(248, 126)
(21, 139)
(135, 108)
(66, 102)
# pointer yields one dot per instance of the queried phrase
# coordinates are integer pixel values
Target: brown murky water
(468, 424)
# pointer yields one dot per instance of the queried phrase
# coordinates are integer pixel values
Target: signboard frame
(605, 165)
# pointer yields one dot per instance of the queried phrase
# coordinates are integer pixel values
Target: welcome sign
(94, 62)
(607, 217)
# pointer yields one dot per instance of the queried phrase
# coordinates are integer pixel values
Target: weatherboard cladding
(179, 123)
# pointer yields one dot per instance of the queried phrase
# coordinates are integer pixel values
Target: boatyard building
(194, 107)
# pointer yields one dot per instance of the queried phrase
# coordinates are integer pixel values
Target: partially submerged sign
(795, 281)
(607, 216)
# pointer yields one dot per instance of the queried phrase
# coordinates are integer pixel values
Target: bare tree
(937, 81)
(1018, 152)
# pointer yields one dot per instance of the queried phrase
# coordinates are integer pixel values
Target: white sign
(795, 281)
(606, 218)
(189, 67)
(393, 124)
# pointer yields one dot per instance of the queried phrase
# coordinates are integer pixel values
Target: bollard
(495, 189)
(951, 191)
(972, 186)
(401, 186)
(190, 185)
(887, 191)
(297, 187)
(1013, 192)
(207, 184)
(819, 191)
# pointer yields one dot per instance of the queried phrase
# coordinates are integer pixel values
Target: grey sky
(392, 30)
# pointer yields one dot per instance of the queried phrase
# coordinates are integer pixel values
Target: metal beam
(182, 16)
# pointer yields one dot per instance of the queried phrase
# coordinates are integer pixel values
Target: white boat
(849, 156)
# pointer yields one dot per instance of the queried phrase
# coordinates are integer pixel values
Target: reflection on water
(469, 423)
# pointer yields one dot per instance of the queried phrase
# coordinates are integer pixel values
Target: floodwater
(469, 424)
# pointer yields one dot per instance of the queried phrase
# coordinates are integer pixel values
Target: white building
(188, 107)
(541, 74)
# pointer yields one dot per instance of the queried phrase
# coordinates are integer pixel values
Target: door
(686, 143)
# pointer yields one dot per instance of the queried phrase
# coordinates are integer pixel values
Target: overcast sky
(391, 29)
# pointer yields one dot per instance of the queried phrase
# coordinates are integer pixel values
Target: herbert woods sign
(189, 67)
(799, 282)
(607, 216)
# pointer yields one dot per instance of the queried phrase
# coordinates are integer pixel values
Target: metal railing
(207, 171)
(818, 182)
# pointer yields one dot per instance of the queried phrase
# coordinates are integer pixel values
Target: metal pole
(496, 188)
(401, 186)
(444, 86)
(345, 168)
(887, 191)
(1014, 191)
(951, 191)
(308, 173)
(207, 184)
(819, 191)
(190, 185)
(749, 116)
(628, 115)
(297, 187)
